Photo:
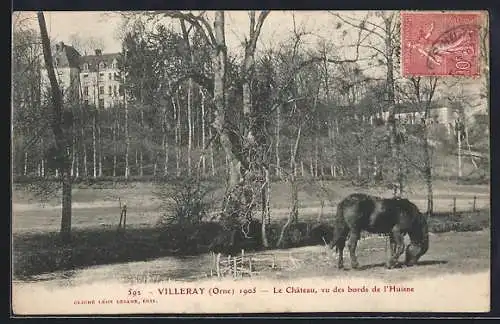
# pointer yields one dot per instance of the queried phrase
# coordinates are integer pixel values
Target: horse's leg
(392, 251)
(397, 246)
(351, 244)
(338, 242)
(340, 252)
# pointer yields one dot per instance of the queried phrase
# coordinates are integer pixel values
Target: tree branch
(197, 21)
(362, 25)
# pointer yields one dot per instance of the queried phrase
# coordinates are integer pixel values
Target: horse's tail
(340, 228)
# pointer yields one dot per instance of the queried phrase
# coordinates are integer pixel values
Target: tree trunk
(165, 152)
(266, 210)
(316, 159)
(219, 61)
(294, 212)
(212, 154)
(141, 163)
(25, 163)
(190, 125)
(390, 90)
(203, 144)
(127, 138)
(77, 166)
(114, 148)
(85, 165)
(61, 128)
(94, 146)
(459, 140)
(428, 173)
(100, 149)
(179, 135)
(359, 166)
(277, 148)
(72, 172)
(137, 161)
(66, 204)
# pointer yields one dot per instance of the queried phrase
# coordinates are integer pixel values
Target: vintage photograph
(209, 162)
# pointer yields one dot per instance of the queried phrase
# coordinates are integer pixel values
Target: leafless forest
(193, 113)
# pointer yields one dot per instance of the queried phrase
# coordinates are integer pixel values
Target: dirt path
(35, 218)
(449, 253)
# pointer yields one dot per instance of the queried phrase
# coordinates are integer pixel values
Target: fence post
(474, 204)
(454, 206)
(250, 265)
(218, 265)
(212, 264)
(235, 273)
(242, 262)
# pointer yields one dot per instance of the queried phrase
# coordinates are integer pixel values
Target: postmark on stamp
(440, 43)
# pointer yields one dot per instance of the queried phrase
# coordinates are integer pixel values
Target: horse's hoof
(355, 266)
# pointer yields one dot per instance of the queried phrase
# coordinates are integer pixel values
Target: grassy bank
(36, 253)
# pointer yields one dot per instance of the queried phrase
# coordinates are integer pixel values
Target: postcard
(219, 162)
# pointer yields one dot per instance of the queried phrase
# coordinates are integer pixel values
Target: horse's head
(419, 237)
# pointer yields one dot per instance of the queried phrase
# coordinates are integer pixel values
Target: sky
(321, 25)
(103, 25)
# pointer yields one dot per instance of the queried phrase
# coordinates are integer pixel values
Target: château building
(91, 79)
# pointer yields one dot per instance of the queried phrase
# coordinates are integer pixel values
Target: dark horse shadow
(394, 217)
(400, 265)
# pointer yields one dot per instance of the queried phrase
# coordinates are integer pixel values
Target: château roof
(94, 60)
(66, 56)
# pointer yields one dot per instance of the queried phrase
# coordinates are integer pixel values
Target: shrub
(184, 201)
(186, 239)
(232, 241)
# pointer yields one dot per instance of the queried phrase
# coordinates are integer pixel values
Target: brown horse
(394, 217)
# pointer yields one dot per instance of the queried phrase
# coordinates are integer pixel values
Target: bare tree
(61, 127)
(422, 90)
(86, 45)
(383, 43)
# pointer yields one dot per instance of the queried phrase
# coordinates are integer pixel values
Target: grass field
(97, 206)
(452, 252)
(95, 215)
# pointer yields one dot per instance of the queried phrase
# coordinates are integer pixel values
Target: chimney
(98, 52)
(60, 46)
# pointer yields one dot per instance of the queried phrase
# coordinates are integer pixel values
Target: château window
(101, 103)
(101, 90)
(85, 67)
(86, 91)
(110, 76)
(110, 91)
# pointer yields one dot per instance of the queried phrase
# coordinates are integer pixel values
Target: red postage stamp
(440, 43)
